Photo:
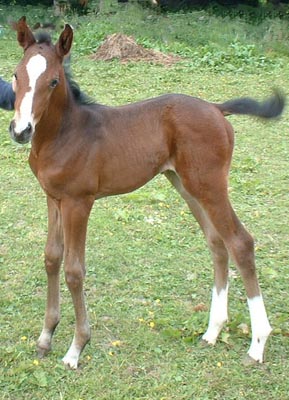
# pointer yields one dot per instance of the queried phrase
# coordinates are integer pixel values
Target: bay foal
(81, 152)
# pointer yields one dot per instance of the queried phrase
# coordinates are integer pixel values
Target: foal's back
(127, 146)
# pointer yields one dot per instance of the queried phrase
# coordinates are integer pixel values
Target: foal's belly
(128, 170)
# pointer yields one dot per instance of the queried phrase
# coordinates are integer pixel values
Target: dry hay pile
(125, 49)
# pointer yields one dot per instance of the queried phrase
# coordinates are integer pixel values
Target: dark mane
(43, 37)
(80, 97)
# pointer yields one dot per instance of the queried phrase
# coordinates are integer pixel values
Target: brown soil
(125, 49)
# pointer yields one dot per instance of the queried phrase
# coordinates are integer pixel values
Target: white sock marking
(72, 356)
(218, 315)
(35, 68)
(261, 328)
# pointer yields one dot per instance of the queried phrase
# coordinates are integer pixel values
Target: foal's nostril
(12, 126)
(29, 128)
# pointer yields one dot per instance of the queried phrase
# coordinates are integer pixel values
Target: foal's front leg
(53, 259)
(75, 215)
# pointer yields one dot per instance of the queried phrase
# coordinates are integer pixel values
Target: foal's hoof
(42, 352)
(205, 343)
(249, 361)
(70, 362)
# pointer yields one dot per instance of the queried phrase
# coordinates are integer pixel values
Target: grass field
(149, 273)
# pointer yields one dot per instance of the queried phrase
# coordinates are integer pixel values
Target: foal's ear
(64, 43)
(24, 35)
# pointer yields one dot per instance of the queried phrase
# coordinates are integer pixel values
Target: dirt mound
(125, 49)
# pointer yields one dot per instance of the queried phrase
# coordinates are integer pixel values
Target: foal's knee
(53, 259)
(74, 276)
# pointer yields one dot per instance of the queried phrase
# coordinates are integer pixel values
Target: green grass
(148, 265)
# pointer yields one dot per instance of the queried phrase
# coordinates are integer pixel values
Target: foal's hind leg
(211, 191)
(53, 259)
(219, 305)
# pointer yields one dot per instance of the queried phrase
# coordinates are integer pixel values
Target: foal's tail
(269, 108)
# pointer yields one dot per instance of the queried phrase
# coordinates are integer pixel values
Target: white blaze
(35, 68)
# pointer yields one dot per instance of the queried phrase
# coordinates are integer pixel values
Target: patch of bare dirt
(125, 49)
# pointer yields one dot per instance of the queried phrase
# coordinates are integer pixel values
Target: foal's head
(37, 77)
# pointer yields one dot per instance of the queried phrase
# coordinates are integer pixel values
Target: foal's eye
(54, 83)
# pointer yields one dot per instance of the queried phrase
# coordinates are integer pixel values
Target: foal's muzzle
(21, 137)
